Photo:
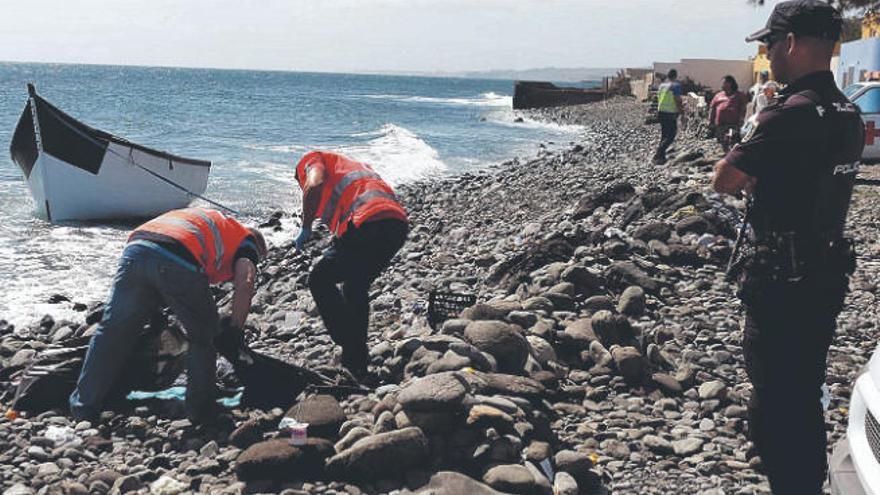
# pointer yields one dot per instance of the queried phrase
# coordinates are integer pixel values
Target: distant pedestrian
(758, 87)
(727, 113)
(766, 96)
(669, 107)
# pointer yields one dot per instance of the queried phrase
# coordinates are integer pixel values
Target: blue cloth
(179, 393)
(147, 278)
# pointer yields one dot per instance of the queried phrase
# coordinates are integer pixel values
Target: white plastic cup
(299, 433)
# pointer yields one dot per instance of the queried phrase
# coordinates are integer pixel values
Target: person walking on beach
(369, 227)
(172, 260)
(767, 95)
(727, 112)
(799, 162)
(669, 107)
(758, 87)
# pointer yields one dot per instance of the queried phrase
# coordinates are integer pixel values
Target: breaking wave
(396, 153)
(490, 99)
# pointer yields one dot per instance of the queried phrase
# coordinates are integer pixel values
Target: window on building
(869, 101)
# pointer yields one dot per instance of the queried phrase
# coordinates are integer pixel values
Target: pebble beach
(603, 354)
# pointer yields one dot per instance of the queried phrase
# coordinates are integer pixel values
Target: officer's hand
(304, 235)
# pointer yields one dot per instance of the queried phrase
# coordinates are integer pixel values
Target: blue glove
(304, 235)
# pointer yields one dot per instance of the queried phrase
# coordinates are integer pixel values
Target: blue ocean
(253, 126)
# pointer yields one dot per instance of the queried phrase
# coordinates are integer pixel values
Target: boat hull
(76, 172)
(120, 190)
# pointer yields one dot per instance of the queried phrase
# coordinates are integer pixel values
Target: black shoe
(356, 360)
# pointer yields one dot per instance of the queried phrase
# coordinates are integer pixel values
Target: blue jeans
(355, 260)
(146, 279)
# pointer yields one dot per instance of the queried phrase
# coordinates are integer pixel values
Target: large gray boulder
(438, 392)
(277, 459)
(622, 274)
(323, 414)
(612, 329)
(632, 301)
(660, 231)
(380, 456)
(509, 348)
(631, 364)
(452, 483)
(514, 478)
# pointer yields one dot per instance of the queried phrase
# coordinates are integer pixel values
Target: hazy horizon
(377, 36)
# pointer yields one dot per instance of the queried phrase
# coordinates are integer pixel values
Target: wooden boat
(76, 172)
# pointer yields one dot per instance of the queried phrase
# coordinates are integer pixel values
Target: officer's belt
(796, 253)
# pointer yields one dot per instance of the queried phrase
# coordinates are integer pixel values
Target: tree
(855, 7)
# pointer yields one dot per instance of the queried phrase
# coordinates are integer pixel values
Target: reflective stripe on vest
(347, 180)
(363, 199)
(192, 228)
(218, 240)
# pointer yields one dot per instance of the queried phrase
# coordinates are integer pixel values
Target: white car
(854, 467)
(867, 96)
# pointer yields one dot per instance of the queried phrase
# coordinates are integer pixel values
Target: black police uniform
(804, 152)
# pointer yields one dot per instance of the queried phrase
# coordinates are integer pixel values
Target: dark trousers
(355, 260)
(788, 329)
(145, 280)
(668, 131)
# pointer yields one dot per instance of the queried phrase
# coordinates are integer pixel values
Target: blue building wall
(856, 58)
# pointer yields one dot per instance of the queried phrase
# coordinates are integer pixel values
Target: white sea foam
(397, 154)
(278, 148)
(509, 118)
(490, 99)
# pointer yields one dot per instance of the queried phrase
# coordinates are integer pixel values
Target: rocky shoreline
(604, 348)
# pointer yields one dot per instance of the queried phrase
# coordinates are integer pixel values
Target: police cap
(812, 18)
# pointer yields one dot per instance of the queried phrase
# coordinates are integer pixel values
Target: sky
(377, 35)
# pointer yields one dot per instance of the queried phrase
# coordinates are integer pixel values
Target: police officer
(799, 162)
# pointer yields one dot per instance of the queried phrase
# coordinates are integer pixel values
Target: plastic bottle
(826, 397)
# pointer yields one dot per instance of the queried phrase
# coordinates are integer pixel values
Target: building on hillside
(859, 60)
(708, 72)
(871, 26)
(761, 63)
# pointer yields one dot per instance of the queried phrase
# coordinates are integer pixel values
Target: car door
(869, 103)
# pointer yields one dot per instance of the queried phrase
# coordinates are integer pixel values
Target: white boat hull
(120, 190)
(76, 172)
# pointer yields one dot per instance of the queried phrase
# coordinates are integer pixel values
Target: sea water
(253, 126)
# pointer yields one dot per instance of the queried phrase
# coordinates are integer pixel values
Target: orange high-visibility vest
(352, 193)
(211, 237)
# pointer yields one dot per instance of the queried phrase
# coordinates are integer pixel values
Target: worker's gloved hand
(229, 340)
(304, 235)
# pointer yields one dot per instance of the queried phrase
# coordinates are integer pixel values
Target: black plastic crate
(445, 305)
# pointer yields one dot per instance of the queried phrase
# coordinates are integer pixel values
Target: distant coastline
(575, 74)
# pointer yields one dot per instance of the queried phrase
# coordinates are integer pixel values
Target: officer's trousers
(788, 329)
